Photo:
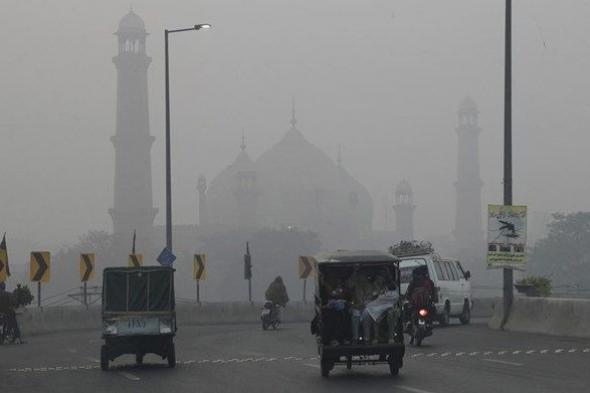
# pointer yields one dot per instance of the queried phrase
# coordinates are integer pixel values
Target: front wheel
(465, 317)
(104, 358)
(171, 356)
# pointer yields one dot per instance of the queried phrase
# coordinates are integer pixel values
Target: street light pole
(508, 272)
(168, 165)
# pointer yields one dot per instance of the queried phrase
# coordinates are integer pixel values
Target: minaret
(468, 222)
(202, 189)
(133, 207)
(404, 211)
(246, 191)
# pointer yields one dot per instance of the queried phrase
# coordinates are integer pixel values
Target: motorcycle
(420, 325)
(270, 315)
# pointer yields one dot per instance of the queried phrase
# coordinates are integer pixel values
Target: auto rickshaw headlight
(165, 326)
(110, 327)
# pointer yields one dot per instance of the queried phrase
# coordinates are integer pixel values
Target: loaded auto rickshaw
(138, 313)
(358, 312)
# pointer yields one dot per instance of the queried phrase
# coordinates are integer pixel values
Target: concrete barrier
(35, 321)
(553, 316)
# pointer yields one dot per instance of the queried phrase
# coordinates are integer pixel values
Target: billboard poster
(506, 236)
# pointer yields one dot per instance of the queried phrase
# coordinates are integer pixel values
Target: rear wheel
(393, 366)
(326, 366)
(104, 358)
(465, 317)
(419, 337)
(171, 356)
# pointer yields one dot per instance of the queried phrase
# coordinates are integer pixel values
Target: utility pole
(508, 272)
(248, 270)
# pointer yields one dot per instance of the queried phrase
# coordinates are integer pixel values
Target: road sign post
(87, 262)
(40, 270)
(199, 272)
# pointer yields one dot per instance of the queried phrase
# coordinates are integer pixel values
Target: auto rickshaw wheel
(104, 358)
(171, 356)
(393, 366)
(349, 362)
(326, 365)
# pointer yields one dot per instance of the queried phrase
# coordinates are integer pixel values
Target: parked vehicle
(270, 315)
(451, 281)
(342, 278)
(138, 313)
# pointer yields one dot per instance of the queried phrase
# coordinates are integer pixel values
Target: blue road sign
(166, 258)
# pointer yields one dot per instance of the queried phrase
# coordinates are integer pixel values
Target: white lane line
(502, 362)
(516, 352)
(411, 389)
(311, 365)
(129, 376)
(487, 353)
(432, 354)
(473, 353)
(460, 354)
(531, 351)
(572, 350)
(558, 350)
(543, 351)
(586, 350)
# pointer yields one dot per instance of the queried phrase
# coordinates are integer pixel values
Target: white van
(451, 282)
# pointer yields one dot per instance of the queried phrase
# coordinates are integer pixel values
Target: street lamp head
(203, 26)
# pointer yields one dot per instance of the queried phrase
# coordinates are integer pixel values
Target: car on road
(138, 313)
(356, 272)
(451, 281)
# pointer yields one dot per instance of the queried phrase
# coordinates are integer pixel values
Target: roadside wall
(39, 321)
(554, 316)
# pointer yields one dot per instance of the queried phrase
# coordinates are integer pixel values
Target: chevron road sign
(40, 266)
(135, 260)
(200, 267)
(86, 267)
(306, 267)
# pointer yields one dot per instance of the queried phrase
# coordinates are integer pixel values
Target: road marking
(543, 351)
(460, 354)
(558, 350)
(487, 353)
(516, 352)
(572, 350)
(445, 354)
(586, 350)
(129, 376)
(531, 351)
(473, 353)
(311, 365)
(411, 389)
(502, 352)
(432, 354)
(502, 362)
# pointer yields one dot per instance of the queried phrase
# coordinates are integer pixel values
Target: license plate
(265, 312)
(131, 326)
(421, 322)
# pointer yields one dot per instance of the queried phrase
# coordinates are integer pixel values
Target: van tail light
(423, 312)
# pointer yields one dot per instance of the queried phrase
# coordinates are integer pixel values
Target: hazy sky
(381, 78)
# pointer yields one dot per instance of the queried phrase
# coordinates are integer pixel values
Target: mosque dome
(131, 24)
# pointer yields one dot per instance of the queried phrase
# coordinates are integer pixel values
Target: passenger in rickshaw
(337, 317)
(362, 287)
(382, 311)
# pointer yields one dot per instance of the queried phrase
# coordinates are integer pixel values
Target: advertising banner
(506, 237)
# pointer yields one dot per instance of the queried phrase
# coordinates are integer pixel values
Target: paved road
(243, 358)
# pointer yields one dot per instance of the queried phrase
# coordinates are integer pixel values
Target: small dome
(131, 24)
(468, 106)
(403, 188)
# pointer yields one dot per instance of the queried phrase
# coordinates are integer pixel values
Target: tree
(564, 255)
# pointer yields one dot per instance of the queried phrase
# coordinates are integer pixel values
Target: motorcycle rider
(420, 292)
(277, 294)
